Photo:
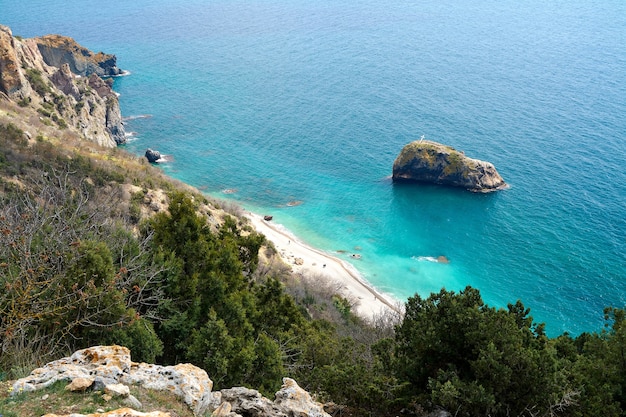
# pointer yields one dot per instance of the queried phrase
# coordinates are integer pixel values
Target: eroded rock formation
(59, 89)
(110, 369)
(431, 162)
(12, 80)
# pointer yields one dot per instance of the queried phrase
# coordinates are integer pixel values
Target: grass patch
(37, 81)
(55, 399)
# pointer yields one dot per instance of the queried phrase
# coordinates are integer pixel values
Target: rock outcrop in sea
(152, 156)
(425, 161)
(61, 81)
(109, 369)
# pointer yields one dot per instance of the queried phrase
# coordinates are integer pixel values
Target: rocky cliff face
(59, 88)
(12, 80)
(57, 50)
(431, 162)
(109, 369)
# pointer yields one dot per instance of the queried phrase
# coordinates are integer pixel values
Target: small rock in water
(152, 155)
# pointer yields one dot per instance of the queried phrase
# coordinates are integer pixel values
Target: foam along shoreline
(370, 302)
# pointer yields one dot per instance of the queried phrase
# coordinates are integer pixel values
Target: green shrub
(37, 81)
(24, 102)
(13, 134)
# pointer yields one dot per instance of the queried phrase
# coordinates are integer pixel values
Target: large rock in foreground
(426, 161)
(111, 365)
(109, 368)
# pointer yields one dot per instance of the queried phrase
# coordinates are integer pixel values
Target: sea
(297, 109)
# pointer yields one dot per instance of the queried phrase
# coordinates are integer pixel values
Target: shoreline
(303, 258)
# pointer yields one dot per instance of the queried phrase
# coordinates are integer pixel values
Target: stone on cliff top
(426, 161)
(186, 381)
(117, 390)
(122, 412)
(112, 365)
(293, 398)
(291, 401)
(79, 384)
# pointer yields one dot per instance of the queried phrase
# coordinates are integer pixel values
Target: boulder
(425, 161)
(112, 365)
(291, 401)
(79, 384)
(132, 402)
(296, 401)
(153, 156)
(248, 402)
(109, 368)
(186, 381)
(117, 390)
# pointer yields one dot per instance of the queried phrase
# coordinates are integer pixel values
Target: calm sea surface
(311, 101)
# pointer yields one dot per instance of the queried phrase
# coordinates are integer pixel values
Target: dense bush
(67, 282)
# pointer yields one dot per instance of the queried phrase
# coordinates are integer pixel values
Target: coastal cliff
(426, 161)
(57, 50)
(61, 81)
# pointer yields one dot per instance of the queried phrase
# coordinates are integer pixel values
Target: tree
(458, 353)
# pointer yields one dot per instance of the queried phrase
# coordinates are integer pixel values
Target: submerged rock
(112, 366)
(425, 161)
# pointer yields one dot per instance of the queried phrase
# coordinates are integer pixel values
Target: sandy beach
(306, 259)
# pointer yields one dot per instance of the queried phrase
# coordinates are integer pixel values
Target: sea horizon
(297, 110)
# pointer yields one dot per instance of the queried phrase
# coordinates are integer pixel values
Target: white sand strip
(317, 263)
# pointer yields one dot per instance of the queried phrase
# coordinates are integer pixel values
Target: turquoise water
(292, 100)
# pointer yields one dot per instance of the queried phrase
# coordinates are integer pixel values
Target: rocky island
(425, 161)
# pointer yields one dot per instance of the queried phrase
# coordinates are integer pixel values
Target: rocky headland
(57, 50)
(61, 80)
(425, 161)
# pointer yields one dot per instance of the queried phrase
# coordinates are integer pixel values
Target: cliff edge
(109, 370)
(63, 85)
(57, 50)
(425, 161)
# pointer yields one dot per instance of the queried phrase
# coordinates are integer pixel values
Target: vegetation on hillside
(81, 264)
